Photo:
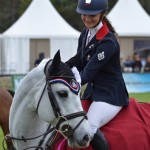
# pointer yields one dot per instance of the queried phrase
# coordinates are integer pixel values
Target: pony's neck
(24, 119)
(30, 125)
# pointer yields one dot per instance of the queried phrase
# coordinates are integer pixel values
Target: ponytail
(109, 25)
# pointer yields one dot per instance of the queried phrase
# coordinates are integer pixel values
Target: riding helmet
(91, 7)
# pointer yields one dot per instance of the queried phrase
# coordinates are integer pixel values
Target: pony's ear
(56, 60)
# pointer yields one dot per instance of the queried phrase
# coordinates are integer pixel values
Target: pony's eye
(62, 93)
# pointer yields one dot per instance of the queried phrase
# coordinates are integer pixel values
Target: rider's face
(90, 21)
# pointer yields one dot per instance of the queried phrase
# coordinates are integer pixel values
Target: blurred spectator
(147, 65)
(121, 63)
(37, 61)
(137, 64)
(127, 64)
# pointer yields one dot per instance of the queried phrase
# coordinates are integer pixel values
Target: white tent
(130, 19)
(132, 24)
(39, 21)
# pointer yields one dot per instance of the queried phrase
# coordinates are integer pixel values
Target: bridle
(67, 130)
(55, 106)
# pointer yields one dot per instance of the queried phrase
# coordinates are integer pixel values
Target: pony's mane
(43, 62)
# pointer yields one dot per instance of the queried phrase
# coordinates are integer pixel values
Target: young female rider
(98, 61)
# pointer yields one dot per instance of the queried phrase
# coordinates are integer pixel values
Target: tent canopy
(130, 19)
(41, 20)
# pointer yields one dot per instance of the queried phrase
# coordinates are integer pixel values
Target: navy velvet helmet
(91, 7)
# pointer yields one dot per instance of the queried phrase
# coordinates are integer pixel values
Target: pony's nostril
(86, 138)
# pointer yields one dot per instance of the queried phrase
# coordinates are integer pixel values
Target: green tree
(146, 5)
(11, 10)
(8, 13)
(23, 6)
(111, 4)
(67, 9)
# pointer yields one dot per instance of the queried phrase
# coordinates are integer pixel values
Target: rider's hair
(109, 25)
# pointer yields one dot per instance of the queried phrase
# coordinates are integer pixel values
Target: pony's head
(63, 95)
(57, 68)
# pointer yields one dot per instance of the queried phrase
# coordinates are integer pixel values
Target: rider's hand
(76, 74)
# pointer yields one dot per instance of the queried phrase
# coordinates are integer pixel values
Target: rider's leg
(99, 114)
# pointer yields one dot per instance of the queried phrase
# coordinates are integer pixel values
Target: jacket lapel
(98, 37)
(102, 32)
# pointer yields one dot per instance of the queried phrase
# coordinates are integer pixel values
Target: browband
(71, 83)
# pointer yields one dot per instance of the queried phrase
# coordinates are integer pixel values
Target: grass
(1, 139)
(142, 97)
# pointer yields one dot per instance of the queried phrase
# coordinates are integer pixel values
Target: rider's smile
(90, 21)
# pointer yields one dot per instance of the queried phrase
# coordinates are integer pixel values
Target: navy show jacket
(99, 66)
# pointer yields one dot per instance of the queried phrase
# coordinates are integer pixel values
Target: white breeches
(101, 113)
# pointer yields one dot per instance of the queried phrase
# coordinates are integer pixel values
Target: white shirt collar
(93, 31)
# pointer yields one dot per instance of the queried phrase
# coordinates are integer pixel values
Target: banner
(137, 82)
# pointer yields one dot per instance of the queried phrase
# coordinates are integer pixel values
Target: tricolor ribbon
(71, 83)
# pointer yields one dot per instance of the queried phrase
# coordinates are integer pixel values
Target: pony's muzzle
(84, 142)
(86, 138)
(68, 131)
